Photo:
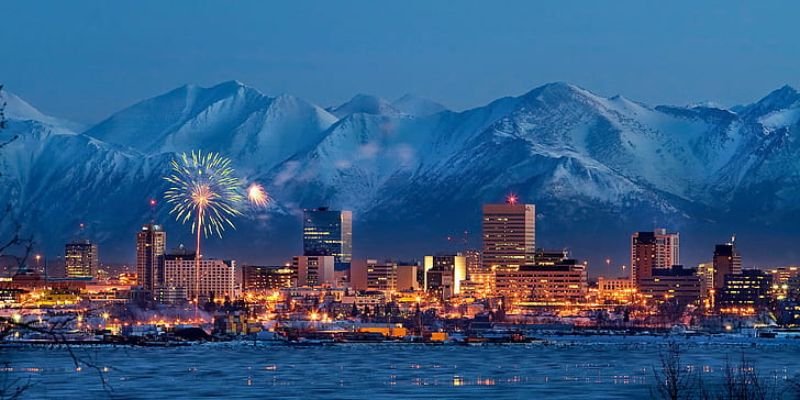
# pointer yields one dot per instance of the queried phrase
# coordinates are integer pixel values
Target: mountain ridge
(570, 151)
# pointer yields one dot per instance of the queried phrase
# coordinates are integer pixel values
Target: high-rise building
(214, 278)
(444, 274)
(653, 250)
(727, 261)
(151, 242)
(706, 273)
(81, 259)
(311, 271)
(473, 258)
(509, 235)
(328, 233)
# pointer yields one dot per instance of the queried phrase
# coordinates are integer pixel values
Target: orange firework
(257, 195)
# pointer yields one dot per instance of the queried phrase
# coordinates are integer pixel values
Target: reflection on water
(570, 368)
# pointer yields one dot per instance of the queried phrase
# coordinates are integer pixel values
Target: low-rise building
(676, 284)
(564, 283)
(745, 293)
(261, 278)
(313, 271)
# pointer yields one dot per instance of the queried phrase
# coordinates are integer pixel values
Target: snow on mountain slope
(231, 118)
(417, 106)
(604, 163)
(18, 109)
(364, 104)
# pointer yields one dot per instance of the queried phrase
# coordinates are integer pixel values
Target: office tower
(706, 273)
(474, 264)
(264, 278)
(653, 250)
(311, 271)
(151, 242)
(745, 292)
(81, 259)
(509, 234)
(213, 279)
(566, 281)
(727, 261)
(443, 274)
(328, 233)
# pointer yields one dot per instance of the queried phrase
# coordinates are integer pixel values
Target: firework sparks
(205, 191)
(257, 195)
(204, 188)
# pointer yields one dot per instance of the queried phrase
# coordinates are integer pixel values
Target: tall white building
(214, 278)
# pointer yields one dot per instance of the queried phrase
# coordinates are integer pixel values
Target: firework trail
(206, 191)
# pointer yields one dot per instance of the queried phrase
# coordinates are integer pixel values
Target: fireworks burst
(257, 195)
(205, 190)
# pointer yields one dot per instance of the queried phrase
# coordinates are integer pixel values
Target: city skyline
(391, 200)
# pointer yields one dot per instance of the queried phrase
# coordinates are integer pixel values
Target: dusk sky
(84, 60)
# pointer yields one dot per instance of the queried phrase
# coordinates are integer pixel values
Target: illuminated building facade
(373, 275)
(782, 277)
(747, 291)
(81, 259)
(727, 261)
(328, 233)
(509, 235)
(473, 259)
(151, 243)
(264, 278)
(619, 289)
(653, 250)
(675, 284)
(566, 282)
(312, 271)
(214, 278)
(444, 274)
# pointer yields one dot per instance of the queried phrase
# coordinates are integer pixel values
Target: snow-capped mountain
(418, 106)
(415, 172)
(365, 104)
(230, 118)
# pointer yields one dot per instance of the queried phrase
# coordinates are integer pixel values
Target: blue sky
(86, 59)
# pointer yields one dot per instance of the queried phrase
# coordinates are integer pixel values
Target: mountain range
(415, 173)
